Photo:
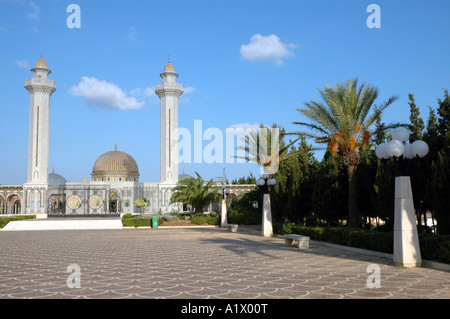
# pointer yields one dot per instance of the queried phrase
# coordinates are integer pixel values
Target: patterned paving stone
(196, 264)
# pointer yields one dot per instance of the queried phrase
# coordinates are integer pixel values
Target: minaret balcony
(38, 81)
(160, 86)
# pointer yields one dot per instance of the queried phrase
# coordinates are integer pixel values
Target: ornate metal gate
(83, 201)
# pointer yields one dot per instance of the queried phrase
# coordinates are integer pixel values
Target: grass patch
(6, 220)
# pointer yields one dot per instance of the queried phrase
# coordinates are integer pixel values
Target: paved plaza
(196, 264)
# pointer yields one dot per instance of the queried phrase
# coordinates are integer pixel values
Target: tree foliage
(344, 121)
(195, 192)
(312, 192)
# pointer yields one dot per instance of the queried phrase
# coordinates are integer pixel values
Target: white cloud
(105, 94)
(23, 64)
(266, 48)
(132, 35)
(189, 90)
(148, 93)
(35, 10)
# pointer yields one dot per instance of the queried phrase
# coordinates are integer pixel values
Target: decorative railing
(39, 81)
(160, 86)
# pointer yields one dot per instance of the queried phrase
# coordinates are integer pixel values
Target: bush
(198, 219)
(213, 220)
(435, 247)
(244, 217)
(5, 221)
(353, 237)
(136, 222)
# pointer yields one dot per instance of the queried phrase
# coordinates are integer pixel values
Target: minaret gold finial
(115, 148)
(169, 67)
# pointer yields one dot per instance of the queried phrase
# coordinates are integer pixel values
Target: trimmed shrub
(213, 219)
(136, 222)
(198, 219)
(244, 217)
(435, 247)
(353, 237)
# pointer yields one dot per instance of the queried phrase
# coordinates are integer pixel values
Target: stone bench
(303, 241)
(232, 227)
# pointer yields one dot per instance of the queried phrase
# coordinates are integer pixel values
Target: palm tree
(195, 192)
(344, 123)
(262, 148)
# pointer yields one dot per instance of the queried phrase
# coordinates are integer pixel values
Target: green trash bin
(155, 222)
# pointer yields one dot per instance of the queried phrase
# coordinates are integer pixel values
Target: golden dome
(41, 63)
(169, 67)
(115, 164)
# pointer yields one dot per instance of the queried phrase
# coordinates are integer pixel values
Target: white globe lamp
(380, 151)
(401, 134)
(395, 148)
(419, 148)
(408, 151)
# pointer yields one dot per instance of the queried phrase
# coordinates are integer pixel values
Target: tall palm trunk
(351, 162)
(353, 216)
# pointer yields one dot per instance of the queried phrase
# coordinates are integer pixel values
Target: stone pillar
(267, 227)
(223, 214)
(406, 239)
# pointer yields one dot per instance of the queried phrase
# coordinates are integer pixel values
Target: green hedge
(435, 247)
(200, 219)
(129, 221)
(5, 221)
(432, 247)
(244, 217)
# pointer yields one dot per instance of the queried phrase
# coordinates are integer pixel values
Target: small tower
(40, 89)
(169, 92)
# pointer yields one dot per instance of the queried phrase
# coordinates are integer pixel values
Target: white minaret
(169, 91)
(40, 89)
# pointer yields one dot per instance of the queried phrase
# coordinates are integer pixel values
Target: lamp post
(406, 239)
(223, 216)
(265, 184)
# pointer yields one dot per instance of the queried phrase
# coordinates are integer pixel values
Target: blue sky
(241, 63)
